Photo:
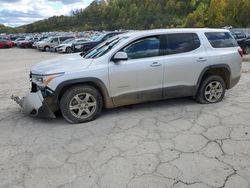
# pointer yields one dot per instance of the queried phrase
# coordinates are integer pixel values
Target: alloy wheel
(213, 91)
(82, 105)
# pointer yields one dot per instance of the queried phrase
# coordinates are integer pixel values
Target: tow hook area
(33, 104)
(17, 99)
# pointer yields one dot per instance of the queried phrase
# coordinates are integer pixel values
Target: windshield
(47, 39)
(104, 48)
(94, 37)
(99, 38)
(68, 41)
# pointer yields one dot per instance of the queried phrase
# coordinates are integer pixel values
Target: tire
(85, 101)
(69, 50)
(46, 48)
(212, 90)
(246, 50)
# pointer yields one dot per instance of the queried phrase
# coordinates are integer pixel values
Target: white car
(67, 46)
(51, 42)
(133, 68)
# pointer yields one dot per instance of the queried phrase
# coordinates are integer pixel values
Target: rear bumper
(234, 81)
(33, 104)
(61, 50)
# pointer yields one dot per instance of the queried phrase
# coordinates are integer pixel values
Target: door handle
(155, 64)
(201, 59)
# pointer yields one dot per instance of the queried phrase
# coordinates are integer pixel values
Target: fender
(108, 103)
(209, 68)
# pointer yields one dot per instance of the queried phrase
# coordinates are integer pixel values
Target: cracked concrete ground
(173, 143)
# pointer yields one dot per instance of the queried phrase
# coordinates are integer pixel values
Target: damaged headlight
(43, 80)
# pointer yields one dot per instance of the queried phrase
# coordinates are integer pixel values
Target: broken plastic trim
(33, 104)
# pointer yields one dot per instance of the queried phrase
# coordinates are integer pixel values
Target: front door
(140, 78)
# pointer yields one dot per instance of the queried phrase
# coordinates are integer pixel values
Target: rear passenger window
(182, 42)
(221, 39)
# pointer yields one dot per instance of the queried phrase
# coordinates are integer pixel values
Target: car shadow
(168, 104)
(110, 113)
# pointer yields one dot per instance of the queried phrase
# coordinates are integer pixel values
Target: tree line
(147, 14)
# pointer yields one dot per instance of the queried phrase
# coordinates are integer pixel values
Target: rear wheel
(46, 48)
(212, 90)
(81, 104)
(69, 50)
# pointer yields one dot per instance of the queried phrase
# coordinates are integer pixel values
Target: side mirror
(120, 56)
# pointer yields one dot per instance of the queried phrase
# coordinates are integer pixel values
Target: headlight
(43, 80)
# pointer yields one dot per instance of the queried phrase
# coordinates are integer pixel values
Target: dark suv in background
(243, 40)
(86, 46)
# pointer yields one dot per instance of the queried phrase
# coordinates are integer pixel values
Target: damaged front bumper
(34, 104)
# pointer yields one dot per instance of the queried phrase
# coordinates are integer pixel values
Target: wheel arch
(94, 82)
(46, 46)
(222, 70)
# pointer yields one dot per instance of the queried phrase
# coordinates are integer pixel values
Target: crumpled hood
(65, 63)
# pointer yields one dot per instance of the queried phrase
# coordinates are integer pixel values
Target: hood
(26, 41)
(39, 42)
(61, 45)
(65, 63)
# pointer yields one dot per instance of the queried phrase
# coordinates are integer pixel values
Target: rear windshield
(221, 39)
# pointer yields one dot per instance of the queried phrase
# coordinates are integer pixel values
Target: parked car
(18, 40)
(86, 46)
(248, 40)
(27, 43)
(243, 41)
(4, 43)
(54, 49)
(51, 42)
(134, 68)
(36, 43)
(67, 47)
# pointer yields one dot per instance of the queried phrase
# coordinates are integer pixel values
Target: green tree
(216, 13)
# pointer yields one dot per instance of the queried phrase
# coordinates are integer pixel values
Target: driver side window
(54, 40)
(143, 48)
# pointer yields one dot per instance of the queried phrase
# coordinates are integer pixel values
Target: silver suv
(51, 42)
(133, 68)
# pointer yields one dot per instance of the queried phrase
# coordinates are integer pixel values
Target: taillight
(240, 52)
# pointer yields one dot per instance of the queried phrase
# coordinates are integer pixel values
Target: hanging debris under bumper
(34, 104)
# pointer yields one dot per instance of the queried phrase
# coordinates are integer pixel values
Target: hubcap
(68, 50)
(213, 91)
(82, 105)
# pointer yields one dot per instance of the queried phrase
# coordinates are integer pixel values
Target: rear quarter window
(182, 43)
(221, 39)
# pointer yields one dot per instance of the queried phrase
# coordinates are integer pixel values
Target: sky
(19, 12)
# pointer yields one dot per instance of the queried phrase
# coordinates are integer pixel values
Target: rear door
(185, 58)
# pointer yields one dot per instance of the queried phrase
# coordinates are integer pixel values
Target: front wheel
(69, 50)
(46, 48)
(212, 90)
(81, 104)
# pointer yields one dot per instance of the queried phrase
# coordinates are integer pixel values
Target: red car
(4, 43)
